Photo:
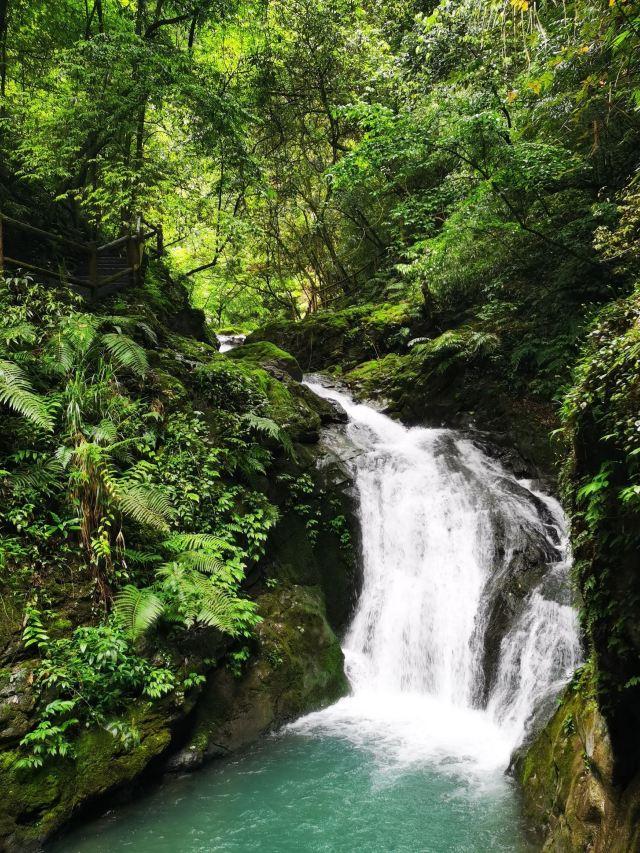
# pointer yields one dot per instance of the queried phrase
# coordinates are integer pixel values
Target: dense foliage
(113, 480)
(446, 194)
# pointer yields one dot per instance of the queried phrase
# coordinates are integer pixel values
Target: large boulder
(567, 781)
(298, 667)
(268, 356)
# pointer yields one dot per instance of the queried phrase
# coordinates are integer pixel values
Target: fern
(137, 610)
(195, 541)
(19, 332)
(269, 427)
(105, 433)
(17, 393)
(126, 352)
(141, 558)
(197, 601)
(202, 561)
(143, 503)
(44, 477)
(217, 611)
(130, 324)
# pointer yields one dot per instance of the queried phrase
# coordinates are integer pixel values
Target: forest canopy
(303, 153)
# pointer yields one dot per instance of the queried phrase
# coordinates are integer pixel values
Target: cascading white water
(229, 342)
(446, 532)
(463, 626)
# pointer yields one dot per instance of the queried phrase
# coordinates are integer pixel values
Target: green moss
(567, 780)
(268, 355)
(299, 666)
(230, 330)
(378, 377)
(346, 337)
(36, 802)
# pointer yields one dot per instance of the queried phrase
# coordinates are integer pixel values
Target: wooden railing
(85, 265)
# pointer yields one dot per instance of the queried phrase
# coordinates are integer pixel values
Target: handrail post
(132, 258)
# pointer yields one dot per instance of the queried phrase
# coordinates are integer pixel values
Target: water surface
(296, 792)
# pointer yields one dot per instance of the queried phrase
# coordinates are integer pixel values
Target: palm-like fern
(189, 589)
(192, 541)
(270, 428)
(142, 502)
(17, 393)
(180, 594)
(82, 340)
(125, 352)
(194, 599)
(202, 561)
(137, 610)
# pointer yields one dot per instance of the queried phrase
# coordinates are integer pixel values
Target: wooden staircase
(92, 269)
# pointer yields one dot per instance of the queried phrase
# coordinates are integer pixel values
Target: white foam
(429, 505)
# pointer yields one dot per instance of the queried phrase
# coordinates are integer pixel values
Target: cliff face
(581, 777)
(567, 777)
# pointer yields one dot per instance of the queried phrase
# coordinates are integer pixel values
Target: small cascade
(464, 627)
(229, 342)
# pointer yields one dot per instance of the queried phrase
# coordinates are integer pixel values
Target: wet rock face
(317, 540)
(567, 782)
(299, 667)
(16, 703)
(517, 573)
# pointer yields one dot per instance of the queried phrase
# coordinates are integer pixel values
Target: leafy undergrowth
(601, 478)
(133, 467)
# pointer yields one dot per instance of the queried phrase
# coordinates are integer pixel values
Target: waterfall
(464, 626)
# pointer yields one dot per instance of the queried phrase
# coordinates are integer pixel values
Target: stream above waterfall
(463, 635)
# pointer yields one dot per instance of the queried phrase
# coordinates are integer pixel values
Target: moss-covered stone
(268, 356)
(316, 541)
(36, 802)
(346, 337)
(566, 776)
(298, 668)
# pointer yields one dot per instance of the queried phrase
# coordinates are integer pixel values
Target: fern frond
(16, 392)
(137, 610)
(126, 352)
(145, 504)
(128, 324)
(105, 432)
(195, 541)
(141, 558)
(61, 353)
(216, 608)
(201, 561)
(218, 612)
(269, 427)
(264, 425)
(147, 331)
(24, 332)
(44, 477)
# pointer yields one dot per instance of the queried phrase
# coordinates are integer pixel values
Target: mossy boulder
(36, 802)
(345, 337)
(296, 408)
(268, 356)
(566, 778)
(316, 542)
(299, 667)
